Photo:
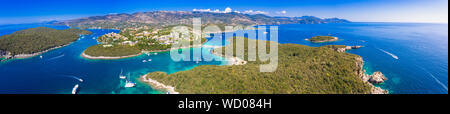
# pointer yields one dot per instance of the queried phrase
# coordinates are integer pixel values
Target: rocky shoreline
(347, 48)
(375, 78)
(157, 85)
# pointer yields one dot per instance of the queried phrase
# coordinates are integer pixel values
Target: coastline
(157, 85)
(331, 40)
(366, 77)
(25, 56)
(171, 90)
(360, 72)
(230, 59)
(84, 55)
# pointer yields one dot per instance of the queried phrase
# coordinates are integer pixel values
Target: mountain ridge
(167, 18)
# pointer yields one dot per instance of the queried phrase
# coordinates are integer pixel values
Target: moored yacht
(129, 83)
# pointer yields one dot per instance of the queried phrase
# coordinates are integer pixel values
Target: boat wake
(57, 57)
(434, 77)
(393, 56)
(75, 88)
(74, 77)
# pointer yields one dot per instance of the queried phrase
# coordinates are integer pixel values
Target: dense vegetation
(335, 46)
(322, 38)
(117, 50)
(38, 39)
(112, 51)
(301, 70)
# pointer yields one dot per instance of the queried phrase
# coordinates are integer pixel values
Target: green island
(132, 42)
(112, 51)
(301, 70)
(319, 39)
(34, 41)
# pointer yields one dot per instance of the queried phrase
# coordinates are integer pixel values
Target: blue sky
(29, 11)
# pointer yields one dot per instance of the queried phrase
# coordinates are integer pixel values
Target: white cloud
(202, 10)
(254, 12)
(227, 10)
(281, 12)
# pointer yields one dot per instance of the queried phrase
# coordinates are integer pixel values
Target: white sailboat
(128, 83)
(121, 76)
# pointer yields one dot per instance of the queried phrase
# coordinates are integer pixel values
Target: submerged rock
(377, 78)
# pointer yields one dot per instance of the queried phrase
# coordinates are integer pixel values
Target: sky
(421, 11)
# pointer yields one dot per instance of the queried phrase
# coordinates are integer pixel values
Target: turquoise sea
(413, 56)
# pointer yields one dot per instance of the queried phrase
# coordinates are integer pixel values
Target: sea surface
(59, 70)
(414, 56)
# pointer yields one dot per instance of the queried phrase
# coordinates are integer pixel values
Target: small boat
(149, 60)
(40, 56)
(156, 53)
(144, 61)
(74, 90)
(128, 83)
(122, 76)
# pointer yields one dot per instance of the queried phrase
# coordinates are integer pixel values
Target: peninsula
(34, 41)
(301, 70)
(133, 42)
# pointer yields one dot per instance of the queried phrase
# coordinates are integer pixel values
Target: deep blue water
(421, 67)
(422, 51)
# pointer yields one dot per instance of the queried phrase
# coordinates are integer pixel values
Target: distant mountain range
(167, 18)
